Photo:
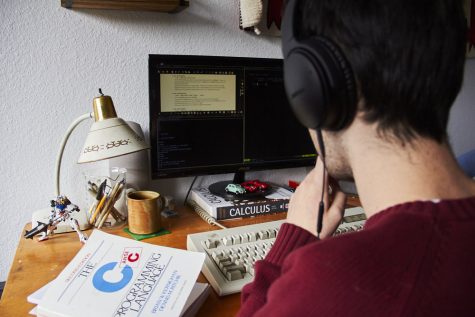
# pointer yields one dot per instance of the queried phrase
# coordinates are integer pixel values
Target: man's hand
(303, 206)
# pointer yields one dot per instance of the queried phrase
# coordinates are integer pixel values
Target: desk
(37, 263)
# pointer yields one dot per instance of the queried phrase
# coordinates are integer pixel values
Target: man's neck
(388, 174)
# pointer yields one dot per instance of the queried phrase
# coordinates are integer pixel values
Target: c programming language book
(116, 276)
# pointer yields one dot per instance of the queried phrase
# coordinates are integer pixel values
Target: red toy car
(254, 185)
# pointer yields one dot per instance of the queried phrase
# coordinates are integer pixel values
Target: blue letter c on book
(104, 286)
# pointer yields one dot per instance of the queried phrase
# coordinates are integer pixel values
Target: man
(415, 256)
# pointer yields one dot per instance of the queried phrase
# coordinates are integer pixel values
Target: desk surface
(37, 263)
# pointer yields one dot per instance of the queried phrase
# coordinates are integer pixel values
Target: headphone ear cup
(320, 84)
(306, 89)
(342, 85)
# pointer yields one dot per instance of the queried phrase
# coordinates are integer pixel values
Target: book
(198, 295)
(222, 209)
(116, 276)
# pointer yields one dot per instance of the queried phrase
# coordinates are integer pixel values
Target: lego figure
(60, 212)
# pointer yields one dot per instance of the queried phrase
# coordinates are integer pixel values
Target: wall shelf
(136, 5)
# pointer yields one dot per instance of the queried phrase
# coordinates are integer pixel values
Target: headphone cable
(321, 206)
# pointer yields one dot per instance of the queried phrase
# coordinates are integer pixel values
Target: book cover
(116, 276)
(221, 209)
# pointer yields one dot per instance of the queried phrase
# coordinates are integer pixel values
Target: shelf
(135, 5)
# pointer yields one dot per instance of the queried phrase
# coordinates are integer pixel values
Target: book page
(198, 295)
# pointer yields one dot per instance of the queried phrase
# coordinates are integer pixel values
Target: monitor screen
(211, 115)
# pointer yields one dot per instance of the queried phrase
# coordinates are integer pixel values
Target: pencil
(117, 213)
(113, 212)
(98, 209)
(115, 193)
(107, 205)
(93, 207)
(100, 193)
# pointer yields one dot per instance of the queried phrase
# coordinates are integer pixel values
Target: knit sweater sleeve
(254, 295)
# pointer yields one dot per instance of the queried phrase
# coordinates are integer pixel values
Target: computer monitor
(211, 114)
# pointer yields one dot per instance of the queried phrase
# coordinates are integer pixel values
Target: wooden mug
(144, 208)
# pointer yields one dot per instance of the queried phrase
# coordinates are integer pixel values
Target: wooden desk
(37, 263)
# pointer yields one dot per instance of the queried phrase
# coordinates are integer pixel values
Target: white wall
(52, 61)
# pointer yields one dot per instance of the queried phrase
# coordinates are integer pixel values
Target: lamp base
(43, 216)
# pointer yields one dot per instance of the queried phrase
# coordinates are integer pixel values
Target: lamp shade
(110, 138)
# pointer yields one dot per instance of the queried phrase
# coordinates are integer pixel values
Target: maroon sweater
(414, 259)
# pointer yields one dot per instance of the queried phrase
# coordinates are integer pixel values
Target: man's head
(407, 57)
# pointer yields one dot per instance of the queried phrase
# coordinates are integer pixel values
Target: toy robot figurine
(60, 212)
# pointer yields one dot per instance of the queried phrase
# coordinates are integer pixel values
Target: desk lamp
(109, 136)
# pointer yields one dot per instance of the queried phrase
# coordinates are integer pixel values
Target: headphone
(318, 79)
(319, 83)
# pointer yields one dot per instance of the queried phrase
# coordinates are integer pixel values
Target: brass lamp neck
(103, 108)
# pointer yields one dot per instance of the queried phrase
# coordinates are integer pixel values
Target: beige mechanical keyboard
(232, 252)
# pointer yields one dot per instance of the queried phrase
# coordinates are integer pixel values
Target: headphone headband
(288, 34)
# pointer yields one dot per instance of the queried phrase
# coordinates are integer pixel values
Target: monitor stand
(219, 189)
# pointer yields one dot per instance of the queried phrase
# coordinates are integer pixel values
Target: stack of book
(221, 209)
(116, 276)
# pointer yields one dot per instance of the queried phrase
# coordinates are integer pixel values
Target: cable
(204, 215)
(321, 207)
(200, 211)
(189, 190)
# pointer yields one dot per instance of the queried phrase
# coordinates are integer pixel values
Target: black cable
(321, 206)
(200, 211)
(189, 190)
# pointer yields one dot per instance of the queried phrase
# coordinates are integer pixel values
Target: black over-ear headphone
(318, 79)
(319, 83)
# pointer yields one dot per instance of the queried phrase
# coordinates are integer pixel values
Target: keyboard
(232, 252)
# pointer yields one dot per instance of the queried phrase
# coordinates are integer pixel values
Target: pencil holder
(106, 204)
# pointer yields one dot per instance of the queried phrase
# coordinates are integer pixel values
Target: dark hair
(407, 55)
